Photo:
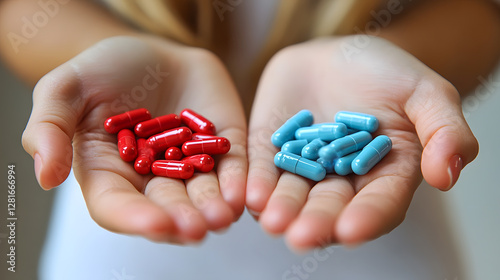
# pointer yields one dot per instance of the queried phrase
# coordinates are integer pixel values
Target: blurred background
(473, 203)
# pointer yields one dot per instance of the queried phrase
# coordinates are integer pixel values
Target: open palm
(416, 108)
(121, 74)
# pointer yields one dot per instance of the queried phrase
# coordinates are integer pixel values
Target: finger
(232, 170)
(171, 195)
(224, 109)
(271, 108)
(315, 226)
(375, 210)
(48, 134)
(262, 173)
(449, 145)
(115, 204)
(285, 203)
(382, 195)
(203, 190)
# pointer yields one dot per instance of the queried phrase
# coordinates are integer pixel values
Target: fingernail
(456, 165)
(222, 230)
(254, 214)
(38, 166)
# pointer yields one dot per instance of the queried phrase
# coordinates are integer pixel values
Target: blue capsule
(342, 166)
(351, 131)
(327, 164)
(357, 121)
(345, 145)
(371, 154)
(300, 166)
(294, 146)
(310, 151)
(326, 132)
(287, 131)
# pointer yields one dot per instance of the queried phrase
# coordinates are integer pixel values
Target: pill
(371, 154)
(173, 169)
(294, 146)
(146, 157)
(342, 166)
(357, 121)
(173, 153)
(327, 164)
(196, 122)
(326, 132)
(126, 120)
(351, 131)
(201, 163)
(214, 146)
(201, 136)
(345, 145)
(157, 125)
(300, 166)
(127, 146)
(310, 151)
(287, 131)
(170, 138)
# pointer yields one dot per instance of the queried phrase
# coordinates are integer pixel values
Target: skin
(99, 83)
(401, 91)
(418, 108)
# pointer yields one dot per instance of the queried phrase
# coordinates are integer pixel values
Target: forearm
(36, 39)
(459, 39)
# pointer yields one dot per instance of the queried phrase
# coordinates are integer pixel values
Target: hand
(119, 74)
(416, 108)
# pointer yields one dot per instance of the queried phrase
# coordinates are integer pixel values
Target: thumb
(49, 132)
(449, 145)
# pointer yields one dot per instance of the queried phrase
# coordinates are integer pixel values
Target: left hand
(416, 108)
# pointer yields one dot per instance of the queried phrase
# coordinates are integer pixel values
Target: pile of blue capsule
(343, 147)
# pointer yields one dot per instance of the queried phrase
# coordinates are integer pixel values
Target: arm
(36, 39)
(458, 39)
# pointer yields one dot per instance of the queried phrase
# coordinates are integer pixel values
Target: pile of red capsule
(165, 147)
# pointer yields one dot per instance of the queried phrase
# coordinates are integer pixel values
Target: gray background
(473, 202)
(32, 203)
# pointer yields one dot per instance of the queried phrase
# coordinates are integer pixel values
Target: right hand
(119, 74)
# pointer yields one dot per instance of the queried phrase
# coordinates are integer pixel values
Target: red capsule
(201, 136)
(126, 120)
(145, 159)
(173, 169)
(202, 163)
(197, 122)
(127, 146)
(157, 125)
(173, 153)
(214, 146)
(170, 138)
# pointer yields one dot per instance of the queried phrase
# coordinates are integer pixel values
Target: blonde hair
(192, 21)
